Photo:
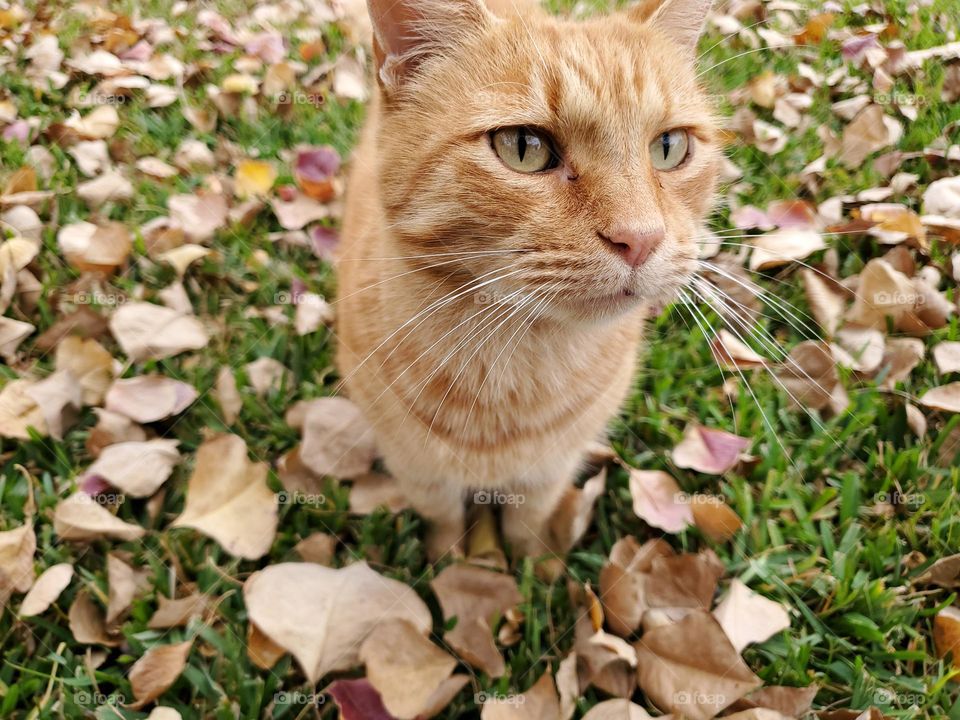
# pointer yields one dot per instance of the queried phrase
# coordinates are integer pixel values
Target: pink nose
(634, 245)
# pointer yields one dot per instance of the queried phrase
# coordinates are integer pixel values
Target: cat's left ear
(681, 20)
(408, 32)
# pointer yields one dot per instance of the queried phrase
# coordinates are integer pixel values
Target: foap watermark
(483, 698)
(297, 497)
(897, 498)
(495, 497)
(297, 697)
(107, 497)
(882, 298)
(890, 698)
(98, 97)
(96, 698)
(695, 697)
(298, 97)
(900, 99)
(495, 297)
(97, 297)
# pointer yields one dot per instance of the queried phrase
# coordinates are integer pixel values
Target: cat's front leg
(526, 514)
(443, 507)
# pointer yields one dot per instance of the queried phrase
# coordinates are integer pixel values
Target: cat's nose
(633, 244)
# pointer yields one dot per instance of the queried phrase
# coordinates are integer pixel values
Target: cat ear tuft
(681, 20)
(406, 32)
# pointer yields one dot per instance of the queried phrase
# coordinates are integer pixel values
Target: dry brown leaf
(301, 210)
(690, 668)
(321, 615)
(708, 450)
(227, 396)
(568, 685)
(538, 703)
(149, 398)
(475, 596)
(177, 613)
(617, 709)
(942, 197)
(867, 133)
(901, 356)
(734, 353)
(623, 580)
(863, 348)
(183, 256)
(883, 291)
(946, 355)
(12, 333)
(714, 518)
(87, 624)
(122, 587)
(318, 547)
(81, 517)
(19, 412)
(17, 547)
(46, 589)
(944, 397)
(789, 701)
(100, 123)
(337, 439)
(59, 398)
(154, 673)
(783, 246)
(747, 617)
(573, 514)
(658, 500)
(945, 572)
(228, 499)
(404, 667)
(200, 216)
(112, 428)
(112, 186)
(684, 581)
(946, 634)
(90, 363)
(136, 468)
(147, 331)
(810, 378)
(262, 651)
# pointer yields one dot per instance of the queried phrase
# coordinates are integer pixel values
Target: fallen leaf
(708, 450)
(574, 512)
(154, 673)
(658, 500)
(17, 548)
(112, 428)
(475, 596)
(690, 668)
(266, 375)
(300, 210)
(617, 709)
(322, 615)
(147, 331)
(122, 587)
(182, 257)
(827, 303)
(866, 134)
(810, 378)
(946, 634)
(89, 363)
(149, 398)
(46, 589)
(59, 398)
(374, 490)
(177, 612)
(863, 348)
(262, 651)
(254, 178)
(337, 440)
(111, 186)
(19, 412)
(747, 617)
(87, 624)
(12, 333)
(227, 396)
(318, 547)
(228, 498)
(100, 123)
(942, 197)
(314, 171)
(200, 216)
(714, 518)
(944, 397)
(404, 667)
(136, 468)
(946, 355)
(788, 701)
(684, 581)
(540, 702)
(783, 246)
(623, 579)
(81, 517)
(358, 700)
(93, 247)
(731, 352)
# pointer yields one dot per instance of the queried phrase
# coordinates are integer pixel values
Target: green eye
(523, 149)
(669, 149)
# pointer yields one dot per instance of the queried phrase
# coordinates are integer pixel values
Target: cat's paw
(444, 542)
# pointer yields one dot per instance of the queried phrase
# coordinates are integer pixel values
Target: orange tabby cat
(524, 188)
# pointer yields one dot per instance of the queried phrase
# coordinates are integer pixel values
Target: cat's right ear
(681, 20)
(407, 32)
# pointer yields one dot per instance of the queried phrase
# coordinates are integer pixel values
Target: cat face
(566, 160)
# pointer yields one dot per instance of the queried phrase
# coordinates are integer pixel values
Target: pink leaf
(358, 700)
(709, 451)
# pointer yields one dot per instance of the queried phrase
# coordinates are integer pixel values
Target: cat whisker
(749, 52)
(471, 286)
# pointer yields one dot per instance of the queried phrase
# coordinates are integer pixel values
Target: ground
(812, 539)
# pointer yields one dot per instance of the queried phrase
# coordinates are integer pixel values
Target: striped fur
(504, 385)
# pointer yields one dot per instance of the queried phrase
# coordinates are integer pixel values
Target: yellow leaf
(254, 177)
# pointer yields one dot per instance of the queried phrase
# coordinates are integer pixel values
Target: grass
(860, 629)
